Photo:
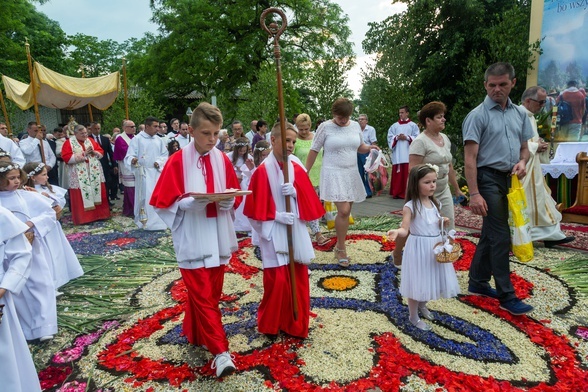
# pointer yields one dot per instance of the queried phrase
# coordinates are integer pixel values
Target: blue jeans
(361, 158)
(491, 257)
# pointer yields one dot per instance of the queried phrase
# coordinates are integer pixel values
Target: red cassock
(81, 216)
(202, 323)
(275, 311)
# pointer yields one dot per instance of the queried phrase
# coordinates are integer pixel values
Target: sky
(120, 20)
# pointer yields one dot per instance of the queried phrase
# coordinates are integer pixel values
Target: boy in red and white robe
(266, 209)
(202, 231)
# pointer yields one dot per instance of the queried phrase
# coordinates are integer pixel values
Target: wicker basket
(445, 256)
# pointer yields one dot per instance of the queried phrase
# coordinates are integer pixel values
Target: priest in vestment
(400, 135)
(121, 146)
(266, 209)
(543, 214)
(87, 188)
(18, 371)
(146, 157)
(202, 231)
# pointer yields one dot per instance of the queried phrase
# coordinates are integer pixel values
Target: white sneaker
(45, 338)
(223, 363)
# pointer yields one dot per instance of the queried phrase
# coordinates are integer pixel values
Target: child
(423, 278)
(240, 155)
(65, 264)
(17, 372)
(173, 146)
(266, 208)
(260, 152)
(35, 305)
(202, 231)
(241, 160)
(5, 156)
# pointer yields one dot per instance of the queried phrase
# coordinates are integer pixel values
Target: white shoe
(223, 363)
(58, 293)
(45, 338)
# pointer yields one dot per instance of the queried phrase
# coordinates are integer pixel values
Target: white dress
(17, 373)
(65, 266)
(340, 180)
(35, 304)
(422, 277)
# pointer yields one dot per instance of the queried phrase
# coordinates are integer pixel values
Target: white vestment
(32, 153)
(200, 241)
(543, 214)
(35, 304)
(183, 140)
(273, 238)
(17, 373)
(11, 147)
(399, 148)
(148, 150)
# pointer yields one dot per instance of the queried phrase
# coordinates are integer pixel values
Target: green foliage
(141, 105)
(218, 48)
(95, 57)
(19, 22)
(439, 51)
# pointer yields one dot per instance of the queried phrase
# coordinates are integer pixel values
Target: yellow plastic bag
(331, 213)
(518, 220)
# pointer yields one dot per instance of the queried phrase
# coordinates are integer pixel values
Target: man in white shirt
(368, 133)
(31, 147)
(252, 131)
(183, 137)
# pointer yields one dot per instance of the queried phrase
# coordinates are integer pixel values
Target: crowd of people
(187, 180)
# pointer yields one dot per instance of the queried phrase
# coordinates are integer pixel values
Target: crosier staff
(275, 32)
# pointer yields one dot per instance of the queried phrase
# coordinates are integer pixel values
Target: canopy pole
(89, 105)
(5, 113)
(275, 32)
(124, 61)
(34, 89)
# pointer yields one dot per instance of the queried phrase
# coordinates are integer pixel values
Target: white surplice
(148, 150)
(17, 372)
(12, 148)
(35, 304)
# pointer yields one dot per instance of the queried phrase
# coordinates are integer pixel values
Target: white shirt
(368, 134)
(30, 149)
(12, 148)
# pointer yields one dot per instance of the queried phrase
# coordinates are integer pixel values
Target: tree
(94, 56)
(19, 22)
(218, 48)
(141, 105)
(441, 49)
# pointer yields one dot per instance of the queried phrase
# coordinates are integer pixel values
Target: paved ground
(377, 205)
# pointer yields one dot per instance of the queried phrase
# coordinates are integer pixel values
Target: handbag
(448, 250)
(331, 214)
(518, 222)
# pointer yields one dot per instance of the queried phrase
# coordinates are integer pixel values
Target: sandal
(320, 239)
(343, 261)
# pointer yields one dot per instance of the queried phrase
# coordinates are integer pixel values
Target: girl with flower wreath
(422, 278)
(65, 265)
(35, 304)
(17, 370)
(241, 160)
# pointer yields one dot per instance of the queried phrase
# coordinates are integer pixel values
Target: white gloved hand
(285, 218)
(288, 189)
(189, 203)
(225, 205)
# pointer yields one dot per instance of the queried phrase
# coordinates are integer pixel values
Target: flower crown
(4, 154)
(430, 166)
(262, 148)
(241, 144)
(12, 166)
(36, 170)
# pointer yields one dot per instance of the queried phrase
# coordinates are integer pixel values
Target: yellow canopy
(58, 91)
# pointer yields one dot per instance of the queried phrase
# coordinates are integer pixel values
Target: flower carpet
(120, 324)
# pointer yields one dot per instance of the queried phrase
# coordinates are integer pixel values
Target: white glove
(285, 218)
(189, 203)
(288, 189)
(225, 205)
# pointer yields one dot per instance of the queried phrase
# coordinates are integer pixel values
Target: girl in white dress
(422, 278)
(35, 304)
(17, 372)
(65, 264)
(241, 159)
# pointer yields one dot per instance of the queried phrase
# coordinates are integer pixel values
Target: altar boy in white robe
(202, 231)
(17, 371)
(146, 156)
(266, 209)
